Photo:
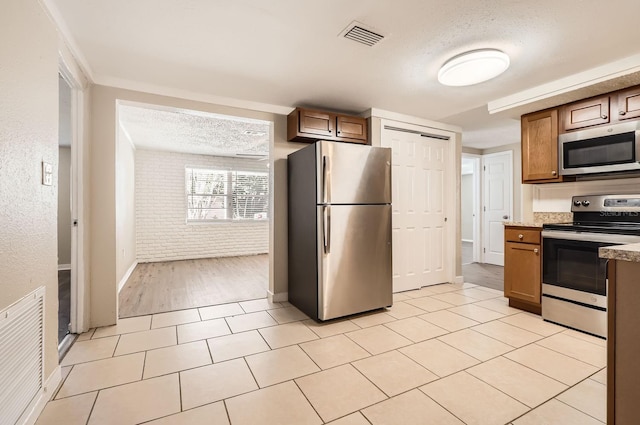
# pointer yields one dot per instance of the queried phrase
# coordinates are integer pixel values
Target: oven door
(572, 268)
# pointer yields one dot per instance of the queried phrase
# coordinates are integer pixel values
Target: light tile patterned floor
(446, 354)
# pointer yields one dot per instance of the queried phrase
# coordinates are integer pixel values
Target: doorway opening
(192, 209)
(470, 209)
(64, 208)
(486, 203)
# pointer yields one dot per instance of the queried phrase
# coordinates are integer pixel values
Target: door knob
(505, 217)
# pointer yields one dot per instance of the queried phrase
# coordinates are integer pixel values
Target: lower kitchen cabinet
(522, 267)
(623, 343)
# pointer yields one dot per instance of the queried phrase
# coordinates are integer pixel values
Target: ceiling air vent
(361, 34)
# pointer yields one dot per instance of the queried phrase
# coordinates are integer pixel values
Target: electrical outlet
(47, 174)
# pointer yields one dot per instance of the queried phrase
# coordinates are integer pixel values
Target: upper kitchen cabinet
(306, 125)
(586, 113)
(629, 104)
(352, 128)
(540, 147)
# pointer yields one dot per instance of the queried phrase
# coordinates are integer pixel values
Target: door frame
(79, 316)
(509, 153)
(452, 183)
(477, 198)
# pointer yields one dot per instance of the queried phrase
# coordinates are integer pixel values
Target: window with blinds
(226, 195)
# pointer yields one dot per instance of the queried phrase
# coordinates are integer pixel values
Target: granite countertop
(540, 218)
(524, 223)
(629, 252)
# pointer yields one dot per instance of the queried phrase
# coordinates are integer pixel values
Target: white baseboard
(280, 297)
(458, 279)
(126, 276)
(45, 394)
(64, 267)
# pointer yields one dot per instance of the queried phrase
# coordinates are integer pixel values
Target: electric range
(574, 277)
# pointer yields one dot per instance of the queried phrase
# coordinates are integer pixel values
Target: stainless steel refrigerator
(339, 219)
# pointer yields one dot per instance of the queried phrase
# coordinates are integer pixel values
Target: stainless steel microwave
(603, 149)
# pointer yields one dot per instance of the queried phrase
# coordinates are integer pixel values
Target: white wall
(466, 206)
(161, 230)
(556, 197)
(125, 206)
(64, 206)
(28, 136)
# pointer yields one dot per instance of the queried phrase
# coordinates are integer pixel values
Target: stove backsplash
(552, 217)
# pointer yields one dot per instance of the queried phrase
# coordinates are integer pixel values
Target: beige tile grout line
(93, 405)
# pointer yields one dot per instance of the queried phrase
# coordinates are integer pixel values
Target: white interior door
(420, 245)
(498, 205)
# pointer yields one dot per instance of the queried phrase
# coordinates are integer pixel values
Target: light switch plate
(47, 174)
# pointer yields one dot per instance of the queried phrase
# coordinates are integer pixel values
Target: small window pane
(226, 194)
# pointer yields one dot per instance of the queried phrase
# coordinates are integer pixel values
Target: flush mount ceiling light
(473, 67)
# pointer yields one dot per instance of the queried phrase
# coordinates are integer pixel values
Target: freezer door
(352, 174)
(354, 257)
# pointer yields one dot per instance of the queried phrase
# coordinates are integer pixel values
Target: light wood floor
(177, 285)
(484, 274)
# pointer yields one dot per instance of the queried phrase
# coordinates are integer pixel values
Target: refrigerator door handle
(326, 179)
(326, 229)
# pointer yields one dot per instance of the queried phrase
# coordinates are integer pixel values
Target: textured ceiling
(191, 132)
(288, 53)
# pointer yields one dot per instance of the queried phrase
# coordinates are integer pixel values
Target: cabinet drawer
(522, 235)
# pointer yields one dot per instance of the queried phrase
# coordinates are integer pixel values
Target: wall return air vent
(362, 34)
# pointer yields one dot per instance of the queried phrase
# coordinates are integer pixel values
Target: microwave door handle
(637, 145)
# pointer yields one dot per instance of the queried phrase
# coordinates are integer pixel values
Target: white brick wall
(161, 230)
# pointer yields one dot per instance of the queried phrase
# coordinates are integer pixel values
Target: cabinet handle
(604, 117)
(339, 132)
(520, 236)
(535, 250)
(622, 113)
(554, 172)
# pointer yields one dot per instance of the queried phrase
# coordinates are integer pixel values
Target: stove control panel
(599, 203)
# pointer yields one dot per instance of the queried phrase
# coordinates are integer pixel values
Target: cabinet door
(629, 104)
(585, 113)
(316, 122)
(522, 272)
(540, 147)
(352, 128)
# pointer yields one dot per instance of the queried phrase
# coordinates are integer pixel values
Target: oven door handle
(591, 237)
